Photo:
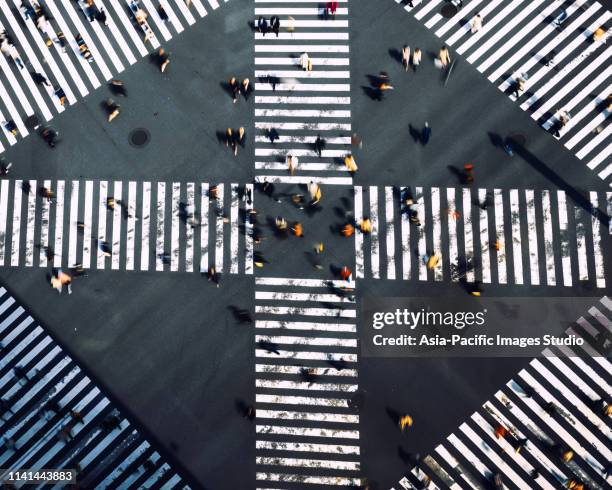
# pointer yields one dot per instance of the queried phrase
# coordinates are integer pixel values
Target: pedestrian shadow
(243, 408)
(394, 415)
(270, 347)
(458, 173)
(372, 93)
(406, 457)
(227, 88)
(414, 133)
(252, 25)
(221, 137)
(496, 140)
(241, 315)
(395, 54)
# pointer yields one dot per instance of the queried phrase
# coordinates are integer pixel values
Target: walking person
(425, 133)
(39, 79)
(476, 23)
(292, 163)
(416, 58)
(305, 62)
(319, 144)
(235, 88)
(163, 59)
(520, 81)
(298, 230)
(330, 9)
(113, 109)
(262, 25)
(246, 88)
(117, 88)
(350, 163)
(444, 57)
(405, 421)
(469, 172)
(406, 57)
(275, 24)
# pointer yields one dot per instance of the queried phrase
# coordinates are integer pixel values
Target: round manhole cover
(139, 137)
(518, 139)
(448, 11)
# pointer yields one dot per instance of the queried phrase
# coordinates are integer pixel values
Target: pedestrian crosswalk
(54, 52)
(500, 236)
(145, 226)
(295, 104)
(557, 48)
(548, 427)
(306, 383)
(52, 414)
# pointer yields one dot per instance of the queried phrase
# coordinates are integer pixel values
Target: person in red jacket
(331, 8)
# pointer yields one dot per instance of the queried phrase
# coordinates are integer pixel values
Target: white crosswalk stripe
(562, 64)
(524, 432)
(54, 416)
(52, 43)
(283, 89)
(101, 224)
(509, 237)
(300, 406)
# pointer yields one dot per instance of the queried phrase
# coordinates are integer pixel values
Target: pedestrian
(314, 190)
(280, 223)
(272, 134)
(100, 16)
(508, 147)
(213, 276)
(347, 230)
(416, 58)
(406, 57)
(292, 163)
(405, 421)
(11, 127)
(346, 274)
(39, 79)
(444, 57)
(384, 82)
(105, 249)
(83, 49)
(433, 261)
(275, 24)
(50, 136)
(235, 88)
(61, 95)
(4, 167)
(117, 87)
(567, 456)
(298, 230)
(163, 15)
(241, 136)
(290, 24)
(330, 9)
(305, 61)
(56, 284)
(163, 59)
(319, 144)
(319, 248)
(113, 109)
(66, 280)
(500, 432)
(246, 88)
(356, 140)
(425, 133)
(476, 23)
(520, 81)
(563, 118)
(229, 138)
(599, 34)
(350, 163)
(469, 172)
(365, 225)
(296, 199)
(262, 25)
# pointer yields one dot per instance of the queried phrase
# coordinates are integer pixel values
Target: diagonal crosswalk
(294, 106)
(562, 64)
(306, 380)
(52, 414)
(500, 236)
(116, 225)
(44, 66)
(558, 403)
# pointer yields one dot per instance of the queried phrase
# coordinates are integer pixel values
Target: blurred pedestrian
(350, 163)
(163, 59)
(298, 230)
(346, 274)
(319, 144)
(39, 79)
(275, 24)
(305, 62)
(331, 8)
(405, 421)
(416, 58)
(476, 23)
(469, 172)
(347, 230)
(163, 15)
(246, 88)
(425, 133)
(365, 225)
(444, 57)
(235, 88)
(117, 87)
(292, 163)
(262, 25)
(280, 223)
(290, 24)
(406, 57)
(113, 109)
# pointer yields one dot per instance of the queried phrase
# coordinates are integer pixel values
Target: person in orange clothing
(346, 274)
(348, 230)
(500, 432)
(298, 230)
(405, 421)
